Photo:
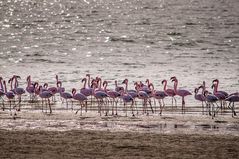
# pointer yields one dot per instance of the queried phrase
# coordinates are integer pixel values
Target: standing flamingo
(30, 88)
(199, 97)
(232, 99)
(144, 96)
(159, 95)
(18, 91)
(79, 97)
(65, 95)
(118, 88)
(113, 95)
(2, 93)
(100, 96)
(169, 92)
(45, 95)
(181, 92)
(211, 99)
(10, 96)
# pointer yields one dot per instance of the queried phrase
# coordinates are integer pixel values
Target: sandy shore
(65, 135)
(104, 144)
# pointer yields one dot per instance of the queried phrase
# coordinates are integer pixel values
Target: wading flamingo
(2, 93)
(113, 95)
(100, 96)
(45, 96)
(211, 99)
(232, 99)
(159, 95)
(65, 95)
(169, 92)
(81, 98)
(17, 90)
(180, 92)
(199, 97)
(10, 96)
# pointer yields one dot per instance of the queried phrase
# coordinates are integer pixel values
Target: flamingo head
(35, 84)
(200, 87)
(125, 81)
(163, 81)
(87, 75)
(205, 93)
(45, 85)
(105, 83)
(10, 80)
(59, 84)
(196, 90)
(147, 81)
(216, 80)
(73, 91)
(173, 78)
(57, 77)
(83, 80)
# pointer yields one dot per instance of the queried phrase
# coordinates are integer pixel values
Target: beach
(64, 134)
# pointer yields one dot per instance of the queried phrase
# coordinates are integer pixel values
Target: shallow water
(192, 39)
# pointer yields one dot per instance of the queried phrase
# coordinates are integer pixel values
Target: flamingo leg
(49, 105)
(132, 108)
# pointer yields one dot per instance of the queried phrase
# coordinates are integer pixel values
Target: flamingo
(45, 95)
(144, 96)
(100, 96)
(113, 95)
(232, 99)
(118, 88)
(133, 93)
(199, 97)
(87, 91)
(2, 93)
(211, 99)
(181, 92)
(10, 95)
(30, 88)
(221, 96)
(65, 95)
(169, 92)
(18, 91)
(159, 95)
(79, 97)
(216, 82)
(53, 90)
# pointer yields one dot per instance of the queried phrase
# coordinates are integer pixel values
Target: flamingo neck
(165, 85)
(175, 86)
(84, 83)
(1, 85)
(89, 81)
(5, 86)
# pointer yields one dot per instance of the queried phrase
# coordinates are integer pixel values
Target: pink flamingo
(118, 88)
(169, 92)
(18, 91)
(2, 93)
(65, 95)
(232, 99)
(216, 81)
(113, 95)
(211, 99)
(87, 91)
(199, 97)
(45, 95)
(10, 96)
(159, 95)
(59, 88)
(145, 97)
(81, 98)
(181, 92)
(221, 96)
(30, 88)
(133, 93)
(100, 96)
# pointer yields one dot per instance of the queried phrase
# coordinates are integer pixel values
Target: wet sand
(104, 144)
(65, 135)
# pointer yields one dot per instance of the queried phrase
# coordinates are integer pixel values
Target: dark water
(194, 40)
